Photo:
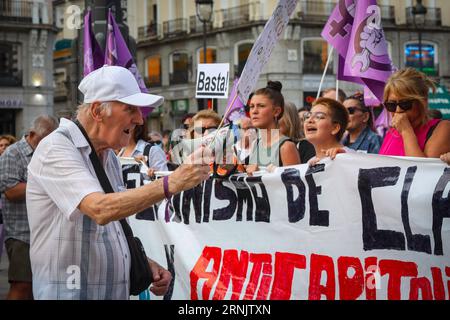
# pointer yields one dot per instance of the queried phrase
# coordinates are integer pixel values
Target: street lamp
(204, 14)
(419, 12)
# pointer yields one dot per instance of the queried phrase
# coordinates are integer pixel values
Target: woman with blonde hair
(5, 141)
(204, 122)
(290, 127)
(413, 133)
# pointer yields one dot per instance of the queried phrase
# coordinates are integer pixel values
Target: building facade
(170, 46)
(68, 20)
(68, 47)
(26, 65)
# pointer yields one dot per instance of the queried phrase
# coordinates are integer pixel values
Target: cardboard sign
(212, 80)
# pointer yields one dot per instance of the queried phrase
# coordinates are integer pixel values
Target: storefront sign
(10, 103)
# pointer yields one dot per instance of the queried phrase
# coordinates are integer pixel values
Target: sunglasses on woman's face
(405, 105)
(352, 110)
(204, 129)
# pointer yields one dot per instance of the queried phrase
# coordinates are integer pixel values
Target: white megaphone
(220, 141)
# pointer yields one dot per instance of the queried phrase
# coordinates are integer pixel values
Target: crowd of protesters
(273, 133)
(335, 123)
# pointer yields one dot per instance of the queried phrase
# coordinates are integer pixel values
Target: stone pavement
(4, 286)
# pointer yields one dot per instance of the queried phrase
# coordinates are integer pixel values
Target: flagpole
(324, 72)
(223, 119)
(337, 88)
(224, 116)
(337, 83)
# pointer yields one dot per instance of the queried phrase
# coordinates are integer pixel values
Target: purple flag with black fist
(92, 53)
(117, 54)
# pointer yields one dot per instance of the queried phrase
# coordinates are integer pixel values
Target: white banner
(359, 227)
(212, 80)
(263, 47)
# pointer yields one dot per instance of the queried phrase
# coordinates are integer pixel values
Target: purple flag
(370, 99)
(237, 110)
(367, 54)
(117, 54)
(92, 53)
(354, 30)
(341, 76)
(338, 29)
(376, 88)
(383, 122)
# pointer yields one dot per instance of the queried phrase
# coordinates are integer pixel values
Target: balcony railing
(315, 11)
(175, 27)
(433, 18)
(149, 31)
(16, 11)
(236, 16)
(196, 26)
(22, 11)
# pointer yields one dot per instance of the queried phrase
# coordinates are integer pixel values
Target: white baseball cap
(114, 83)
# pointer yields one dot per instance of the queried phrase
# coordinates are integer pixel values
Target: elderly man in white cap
(78, 247)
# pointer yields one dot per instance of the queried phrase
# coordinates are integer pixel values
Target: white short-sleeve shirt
(71, 256)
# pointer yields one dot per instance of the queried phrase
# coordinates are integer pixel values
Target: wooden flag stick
(223, 119)
(324, 72)
(337, 88)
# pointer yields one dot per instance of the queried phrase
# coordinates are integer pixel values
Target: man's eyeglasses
(352, 110)
(405, 105)
(316, 116)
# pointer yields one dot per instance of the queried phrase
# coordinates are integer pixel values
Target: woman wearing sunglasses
(272, 148)
(413, 133)
(361, 136)
(204, 122)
